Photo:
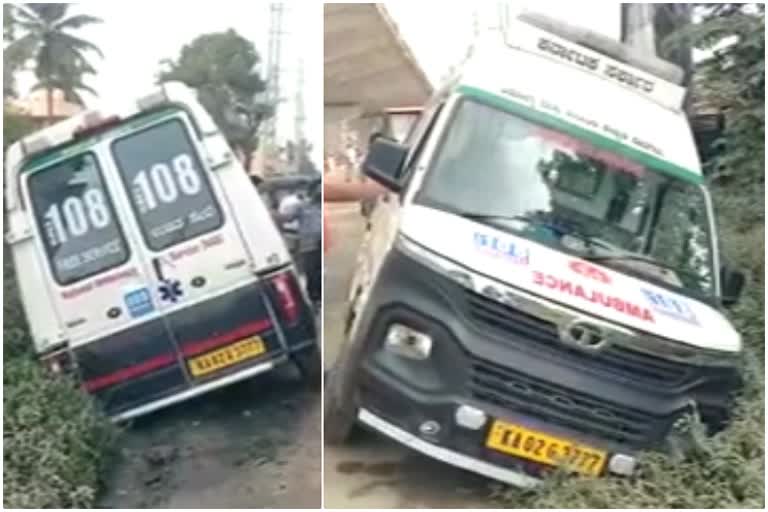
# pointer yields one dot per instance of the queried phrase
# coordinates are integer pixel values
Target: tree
(15, 127)
(732, 78)
(10, 62)
(59, 57)
(222, 68)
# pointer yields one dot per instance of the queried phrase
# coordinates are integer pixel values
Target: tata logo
(502, 247)
(584, 335)
(590, 271)
(670, 306)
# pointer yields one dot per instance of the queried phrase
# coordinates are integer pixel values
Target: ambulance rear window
(167, 185)
(76, 219)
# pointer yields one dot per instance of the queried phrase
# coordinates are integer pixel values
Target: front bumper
(455, 458)
(509, 375)
(401, 412)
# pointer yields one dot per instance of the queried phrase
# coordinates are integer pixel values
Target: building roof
(367, 63)
(35, 105)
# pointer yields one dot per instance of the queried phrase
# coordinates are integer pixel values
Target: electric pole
(637, 27)
(645, 27)
(300, 144)
(274, 47)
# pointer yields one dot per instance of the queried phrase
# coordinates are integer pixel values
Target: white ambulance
(148, 265)
(542, 286)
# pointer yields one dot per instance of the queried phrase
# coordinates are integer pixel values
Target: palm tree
(58, 56)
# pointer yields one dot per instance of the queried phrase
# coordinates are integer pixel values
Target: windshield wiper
(516, 218)
(644, 259)
(561, 231)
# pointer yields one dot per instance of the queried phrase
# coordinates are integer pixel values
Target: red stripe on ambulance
(198, 347)
(163, 360)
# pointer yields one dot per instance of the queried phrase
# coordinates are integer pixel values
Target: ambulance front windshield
(565, 192)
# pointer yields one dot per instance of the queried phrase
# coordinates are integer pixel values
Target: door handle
(158, 268)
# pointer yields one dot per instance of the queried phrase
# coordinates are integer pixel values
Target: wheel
(339, 415)
(310, 366)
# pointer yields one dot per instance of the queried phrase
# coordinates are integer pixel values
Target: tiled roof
(35, 105)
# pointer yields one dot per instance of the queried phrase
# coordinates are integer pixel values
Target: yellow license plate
(532, 445)
(227, 356)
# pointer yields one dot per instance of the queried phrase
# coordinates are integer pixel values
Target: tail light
(288, 300)
(59, 362)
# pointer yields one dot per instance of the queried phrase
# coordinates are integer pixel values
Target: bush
(16, 340)
(727, 474)
(55, 442)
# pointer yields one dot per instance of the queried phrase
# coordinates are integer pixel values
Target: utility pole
(637, 27)
(645, 26)
(300, 144)
(274, 47)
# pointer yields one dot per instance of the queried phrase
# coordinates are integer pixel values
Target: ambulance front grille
(519, 393)
(621, 363)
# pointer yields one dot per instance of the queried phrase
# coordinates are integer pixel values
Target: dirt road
(255, 444)
(371, 471)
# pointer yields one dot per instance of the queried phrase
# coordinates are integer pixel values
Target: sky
(135, 39)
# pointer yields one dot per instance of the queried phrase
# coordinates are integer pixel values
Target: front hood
(569, 280)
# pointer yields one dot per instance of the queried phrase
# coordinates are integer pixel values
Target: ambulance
(542, 287)
(148, 266)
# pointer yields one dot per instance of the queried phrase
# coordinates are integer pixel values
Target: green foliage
(59, 57)
(15, 127)
(54, 442)
(222, 68)
(10, 63)
(733, 78)
(16, 340)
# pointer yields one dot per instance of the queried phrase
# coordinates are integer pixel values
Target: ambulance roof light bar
(650, 64)
(166, 93)
(94, 122)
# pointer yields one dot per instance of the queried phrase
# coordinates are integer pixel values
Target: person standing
(310, 217)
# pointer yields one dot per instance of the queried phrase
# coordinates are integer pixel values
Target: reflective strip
(131, 372)
(453, 458)
(196, 347)
(163, 360)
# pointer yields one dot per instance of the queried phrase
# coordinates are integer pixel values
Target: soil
(255, 444)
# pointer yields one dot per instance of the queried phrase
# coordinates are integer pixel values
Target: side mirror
(384, 162)
(732, 283)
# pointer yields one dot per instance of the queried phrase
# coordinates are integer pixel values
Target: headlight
(407, 342)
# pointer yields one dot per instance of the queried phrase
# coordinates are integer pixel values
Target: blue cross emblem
(170, 290)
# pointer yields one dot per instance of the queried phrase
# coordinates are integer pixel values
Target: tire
(339, 413)
(310, 365)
